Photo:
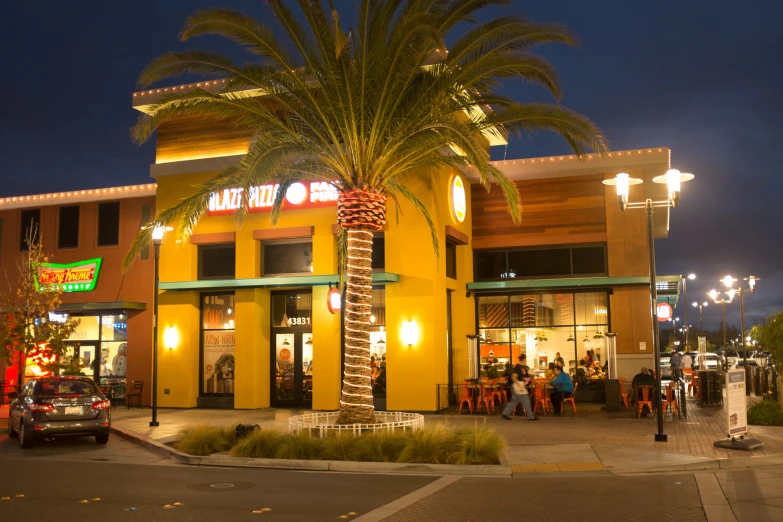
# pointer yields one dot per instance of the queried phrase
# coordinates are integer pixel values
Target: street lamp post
(701, 306)
(722, 302)
(685, 307)
(728, 281)
(157, 238)
(622, 181)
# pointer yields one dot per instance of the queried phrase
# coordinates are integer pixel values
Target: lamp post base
(661, 437)
(154, 424)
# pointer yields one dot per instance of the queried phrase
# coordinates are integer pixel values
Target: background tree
(25, 328)
(363, 109)
(770, 335)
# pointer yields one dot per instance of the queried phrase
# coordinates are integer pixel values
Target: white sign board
(736, 403)
(642, 346)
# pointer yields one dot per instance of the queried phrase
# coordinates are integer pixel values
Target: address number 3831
(298, 321)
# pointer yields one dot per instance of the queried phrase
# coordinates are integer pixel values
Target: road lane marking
(716, 507)
(393, 507)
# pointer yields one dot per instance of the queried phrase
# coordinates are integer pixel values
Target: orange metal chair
(624, 393)
(464, 397)
(499, 390)
(670, 401)
(645, 400)
(570, 400)
(541, 398)
(485, 398)
(694, 387)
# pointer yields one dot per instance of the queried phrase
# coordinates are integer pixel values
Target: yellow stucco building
(243, 317)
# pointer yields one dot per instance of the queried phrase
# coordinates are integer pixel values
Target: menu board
(736, 403)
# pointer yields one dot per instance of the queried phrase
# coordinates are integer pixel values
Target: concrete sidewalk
(592, 440)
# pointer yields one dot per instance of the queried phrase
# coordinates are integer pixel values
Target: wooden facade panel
(194, 137)
(561, 210)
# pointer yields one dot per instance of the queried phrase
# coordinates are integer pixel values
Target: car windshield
(65, 388)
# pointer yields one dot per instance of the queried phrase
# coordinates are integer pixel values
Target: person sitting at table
(564, 388)
(490, 372)
(642, 378)
(550, 373)
(559, 361)
(582, 373)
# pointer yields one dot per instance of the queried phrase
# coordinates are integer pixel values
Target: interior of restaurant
(546, 328)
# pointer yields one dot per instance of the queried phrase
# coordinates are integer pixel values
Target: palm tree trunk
(360, 213)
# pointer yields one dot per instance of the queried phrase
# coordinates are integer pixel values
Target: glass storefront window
(287, 256)
(555, 328)
(294, 309)
(217, 344)
(378, 340)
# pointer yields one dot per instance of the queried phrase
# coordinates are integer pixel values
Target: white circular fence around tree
(325, 423)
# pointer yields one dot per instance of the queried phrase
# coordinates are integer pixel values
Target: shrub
(427, 446)
(299, 447)
(261, 444)
(340, 447)
(766, 413)
(477, 446)
(202, 439)
(383, 446)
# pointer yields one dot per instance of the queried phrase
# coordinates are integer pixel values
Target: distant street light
(673, 179)
(729, 281)
(158, 231)
(701, 306)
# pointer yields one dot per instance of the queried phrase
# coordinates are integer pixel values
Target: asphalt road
(55, 476)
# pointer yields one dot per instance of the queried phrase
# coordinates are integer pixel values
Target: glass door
(292, 350)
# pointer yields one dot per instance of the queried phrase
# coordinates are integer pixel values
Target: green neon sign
(81, 276)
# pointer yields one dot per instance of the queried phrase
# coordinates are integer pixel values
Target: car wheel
(11, 431)
(102, 438)
(24, 442)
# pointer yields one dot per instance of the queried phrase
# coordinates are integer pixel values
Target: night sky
(700, 77)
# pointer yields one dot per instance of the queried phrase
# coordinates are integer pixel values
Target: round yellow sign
(458, 199)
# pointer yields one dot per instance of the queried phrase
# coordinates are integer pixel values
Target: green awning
(566, 282)
(99, 308)
(270, 282)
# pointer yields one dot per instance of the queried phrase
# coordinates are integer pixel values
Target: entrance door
(292, 350)
(90, 356)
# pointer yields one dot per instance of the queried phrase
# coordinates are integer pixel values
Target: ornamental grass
(432, 445)
(766, 413)
(259, 444)
(203, 439)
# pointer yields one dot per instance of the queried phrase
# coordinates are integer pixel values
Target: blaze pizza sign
(261, 198)
(81, 276)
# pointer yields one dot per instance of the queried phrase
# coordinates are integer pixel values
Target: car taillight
(43, 407)
(101, 405)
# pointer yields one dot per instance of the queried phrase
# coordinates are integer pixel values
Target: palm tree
(363, 111)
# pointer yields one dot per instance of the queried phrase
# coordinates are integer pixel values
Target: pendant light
(570, 338)
(309, 341)
(381, 341)
(285, 342)
(598, 334)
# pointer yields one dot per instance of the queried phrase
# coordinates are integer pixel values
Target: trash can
(613, 399)
(756, 372)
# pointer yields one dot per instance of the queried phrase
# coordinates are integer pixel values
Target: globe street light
(701, 306)
(673, 179)
(685, 307)
(158, 232)
(729, 281)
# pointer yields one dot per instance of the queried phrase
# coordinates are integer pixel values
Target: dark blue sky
(700, 77)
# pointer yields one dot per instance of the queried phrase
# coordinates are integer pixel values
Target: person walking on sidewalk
(675, 361)
(520, 376)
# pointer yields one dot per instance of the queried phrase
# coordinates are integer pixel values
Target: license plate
(73, 410)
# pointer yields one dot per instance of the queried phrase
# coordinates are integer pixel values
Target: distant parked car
(740, 363)
(666, 368)
(731, 356)
(713, 361)
(59, 406)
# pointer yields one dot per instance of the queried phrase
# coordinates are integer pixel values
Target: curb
(712, 464)
(389, 468)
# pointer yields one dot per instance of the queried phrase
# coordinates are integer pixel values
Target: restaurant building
(86, 234)
(244, 321)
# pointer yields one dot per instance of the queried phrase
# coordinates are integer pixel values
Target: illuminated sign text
(81, 276)
(261, 198)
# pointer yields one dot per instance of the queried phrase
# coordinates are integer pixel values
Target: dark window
(490, 265)
(288, 257)
(68, 231)
(216, 261)
(539, 263)
(109, 223)
(378, 253)
(590, 260)
(451, 260)
(29, 226)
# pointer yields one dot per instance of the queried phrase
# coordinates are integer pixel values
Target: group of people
(520, 378)
(679, 363)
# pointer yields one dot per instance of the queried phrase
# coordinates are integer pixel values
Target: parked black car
(59, 406)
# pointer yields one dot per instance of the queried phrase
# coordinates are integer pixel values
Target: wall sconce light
(170, 337)
(333, 299)
(410, 333)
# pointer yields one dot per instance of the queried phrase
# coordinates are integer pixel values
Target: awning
(101, 308)
(270, 282)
